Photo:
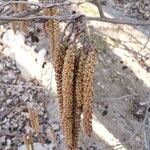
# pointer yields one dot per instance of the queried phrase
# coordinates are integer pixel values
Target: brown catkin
(52, 27)
(14, 24)
(23, 25)
(58, 65)
(88, 81)
(78, 97)
(67, 91)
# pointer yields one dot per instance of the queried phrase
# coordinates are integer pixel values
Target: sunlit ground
(101, 131)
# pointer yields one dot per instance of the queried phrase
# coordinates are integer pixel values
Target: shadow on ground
(121, 94)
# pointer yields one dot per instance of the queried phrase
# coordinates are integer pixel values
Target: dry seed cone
(88, 92)
(67, 91)
(78, 100)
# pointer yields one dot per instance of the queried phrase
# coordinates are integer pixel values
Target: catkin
(67, 91)
(56, 51)
(78, 98)
(52, 27)
(88, 92)
(58, 65)
(23, 25)
(14, 24)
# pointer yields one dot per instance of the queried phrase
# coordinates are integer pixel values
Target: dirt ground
(122, 82)
(122, 85)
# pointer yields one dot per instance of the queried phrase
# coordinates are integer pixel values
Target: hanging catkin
(23, 25)
(88, 92)
(56, 52)
(14, 24)
(78, 98)
(67, 91)
(52, 27)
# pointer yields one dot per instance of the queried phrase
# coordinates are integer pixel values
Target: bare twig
(21, 86)
(72, 17)
(38, 18)
(119, 21)
(100, 9)
(26, 15)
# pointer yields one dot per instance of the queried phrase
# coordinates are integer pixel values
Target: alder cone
(78, 98)
(88, 84)
(67, 92)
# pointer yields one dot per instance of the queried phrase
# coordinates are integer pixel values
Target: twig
(21, 86)
(72, 17)
(119, 21)
(38, 18)
(40, 5)
(100, 9)
(26, 16)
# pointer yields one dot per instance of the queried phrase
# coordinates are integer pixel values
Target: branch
(119, 21)
(100, 9)
(33, 15)
(38, 18)
(36, 4)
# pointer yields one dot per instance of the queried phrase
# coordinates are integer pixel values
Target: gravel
(139, 9)
(17, 93)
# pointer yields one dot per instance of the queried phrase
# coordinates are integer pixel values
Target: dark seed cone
(67, 91)
(78, 98)
(88, 92)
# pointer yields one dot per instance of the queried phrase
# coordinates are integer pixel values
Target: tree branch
(119, 21)
(33, 15)
(100, 9)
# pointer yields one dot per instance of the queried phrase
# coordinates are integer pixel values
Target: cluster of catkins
(74, 71)
(77, 92)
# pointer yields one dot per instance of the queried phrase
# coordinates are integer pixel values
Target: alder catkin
(79, 80)
(23, 25)
(78, 98)
(67, 91)
(52, 27)
(14, 23)
(88, 81)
